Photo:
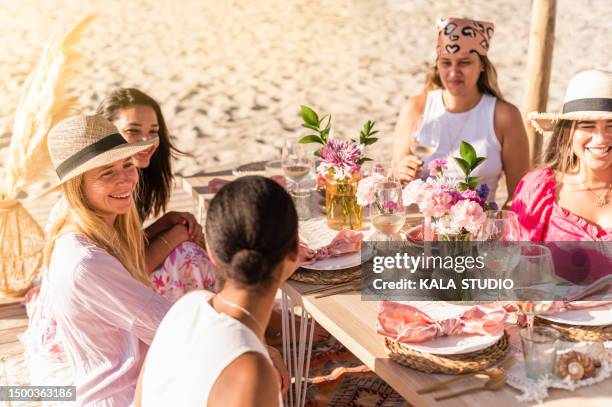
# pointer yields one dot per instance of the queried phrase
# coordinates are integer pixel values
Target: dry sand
(231, 75)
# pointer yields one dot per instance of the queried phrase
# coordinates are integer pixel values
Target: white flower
(366, 189)
(411, 192)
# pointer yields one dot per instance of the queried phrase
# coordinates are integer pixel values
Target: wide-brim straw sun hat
(84, 142)
(588, 97)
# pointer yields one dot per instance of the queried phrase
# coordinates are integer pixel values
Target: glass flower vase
(341, 204)
(456, 245)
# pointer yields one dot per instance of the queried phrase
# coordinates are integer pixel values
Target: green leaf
(324, 134)
(311, 138)
(465, 167)
(468, 153)
(374, 132)
(311, 127)
(463, 186)
(317, 153)
(309, 116)
(362, 160)
(328, 117)
(370, 140)
(472, 184)
(478, 161)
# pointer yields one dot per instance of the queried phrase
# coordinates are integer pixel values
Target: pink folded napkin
(215, 184)
(406, 323)
(584, 298)
(345, 242)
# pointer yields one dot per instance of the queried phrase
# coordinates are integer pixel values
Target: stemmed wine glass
(425, 137)
(497, 243)
(533, 278)
(297, 161)
(388, 213)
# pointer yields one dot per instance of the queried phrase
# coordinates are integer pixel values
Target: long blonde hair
(124, 240)
(559, 154)
(487, 81)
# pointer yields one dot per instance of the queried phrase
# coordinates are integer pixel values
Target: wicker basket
(580, 333)
(449, 364)
(327, 276)
(21, 249)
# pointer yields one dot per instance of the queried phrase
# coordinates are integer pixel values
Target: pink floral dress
(543, 220)
(187, 268)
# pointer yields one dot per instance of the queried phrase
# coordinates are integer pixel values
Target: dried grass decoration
(44, 102)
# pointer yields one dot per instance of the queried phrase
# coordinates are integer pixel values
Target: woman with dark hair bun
(252, 239)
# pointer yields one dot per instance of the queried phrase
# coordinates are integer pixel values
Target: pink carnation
(472, 196)
(437, 166)
(435, 201)
(468, 215)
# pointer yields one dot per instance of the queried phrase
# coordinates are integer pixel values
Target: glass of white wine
(297, 161)
(388, 213)
(425, 138)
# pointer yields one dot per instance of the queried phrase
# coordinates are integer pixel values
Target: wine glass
(388, 214)
(533, 279)
(425, 137)
(370, 168)
(297, 161)
(497, 243)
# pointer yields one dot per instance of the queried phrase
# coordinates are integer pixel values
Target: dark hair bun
(248, 263)
(251, 226)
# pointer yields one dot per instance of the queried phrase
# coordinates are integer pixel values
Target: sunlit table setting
(342, 311)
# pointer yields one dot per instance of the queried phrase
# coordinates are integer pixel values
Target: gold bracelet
(165, 242)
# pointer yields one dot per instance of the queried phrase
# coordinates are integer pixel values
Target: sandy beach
(231, 75)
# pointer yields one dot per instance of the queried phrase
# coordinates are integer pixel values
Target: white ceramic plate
(315, 233)
(449, 345)
(588, 317)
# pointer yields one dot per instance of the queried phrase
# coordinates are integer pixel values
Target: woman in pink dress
(570, 197)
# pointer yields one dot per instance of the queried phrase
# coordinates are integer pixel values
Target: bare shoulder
(415, 104)
(507, 115)
(249, 380)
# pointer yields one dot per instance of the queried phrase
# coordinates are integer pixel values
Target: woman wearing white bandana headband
(463, 99)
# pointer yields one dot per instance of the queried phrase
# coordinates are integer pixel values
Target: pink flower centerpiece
(339, 168)
(457, 207)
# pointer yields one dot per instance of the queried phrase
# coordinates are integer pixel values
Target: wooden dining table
(352, 321)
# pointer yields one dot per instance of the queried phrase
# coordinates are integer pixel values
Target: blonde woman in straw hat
(106, 309)
(570, 197)
(175, 261)
(462, 102)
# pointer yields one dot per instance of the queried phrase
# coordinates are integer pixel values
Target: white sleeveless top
(475, 127)
(192, 346)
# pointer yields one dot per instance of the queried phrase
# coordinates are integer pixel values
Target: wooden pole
(539, 62)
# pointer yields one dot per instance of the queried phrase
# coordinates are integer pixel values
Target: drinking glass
(425, 137)
(388, 213)
(370, 168)
(297, 161)
(533, 280)
(540, 351)
(497, 243)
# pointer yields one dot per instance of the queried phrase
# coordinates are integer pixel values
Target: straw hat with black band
(588, 97)
(84, 142)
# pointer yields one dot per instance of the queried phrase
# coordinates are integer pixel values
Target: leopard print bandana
(462, 35)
